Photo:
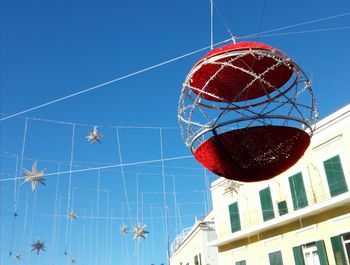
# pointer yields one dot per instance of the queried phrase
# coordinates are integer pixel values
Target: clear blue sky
(53, 49)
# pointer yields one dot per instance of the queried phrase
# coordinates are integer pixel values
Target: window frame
(347, 241)
(282, 211)
(338, 248)
(309, 248)
(299, 252)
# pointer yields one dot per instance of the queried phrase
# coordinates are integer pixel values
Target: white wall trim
(279, 237)
(336, 219)
(240, 249)
(274, 250)
(327, 142)
(304, 229)
(309, 240)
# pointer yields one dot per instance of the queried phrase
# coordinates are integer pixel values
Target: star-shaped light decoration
(18, 256)
(72, 261)
(139, 231)
(38, 245)
(124, 229)
(34, 176)
(232, 186)
(94, 136)
(72, 215)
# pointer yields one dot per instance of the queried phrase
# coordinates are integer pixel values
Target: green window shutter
(322, 254)
(282, 208)
(338, 250)
(266, 204)
(196, 260)
(335, 176)
(275, 258)
(297, 189)
(241, 262)
(298, 256)
(234, 217)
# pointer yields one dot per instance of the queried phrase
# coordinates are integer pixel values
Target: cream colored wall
(332, 138)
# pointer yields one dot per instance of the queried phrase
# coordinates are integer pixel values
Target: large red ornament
(246, 111)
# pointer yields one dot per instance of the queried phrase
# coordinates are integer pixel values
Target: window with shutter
(196, 262)
(335, 176)
(346, 243)
(298, 255)
(282, 208)
(338, 250)
(234, 217)
(275, 258)
(298, 192)
(322, 253)
(313, 253)
(266, 204)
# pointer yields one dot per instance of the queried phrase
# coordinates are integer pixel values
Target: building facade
(191, 246)
(301, 216)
